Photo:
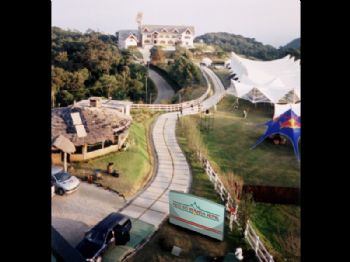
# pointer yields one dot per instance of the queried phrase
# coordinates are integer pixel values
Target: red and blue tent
(287, 124)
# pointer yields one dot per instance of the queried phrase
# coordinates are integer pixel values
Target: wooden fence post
(257, 244)
(246, 229)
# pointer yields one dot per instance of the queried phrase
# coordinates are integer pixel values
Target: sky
(274, 22)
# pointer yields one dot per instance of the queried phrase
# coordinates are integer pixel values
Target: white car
(63, 181)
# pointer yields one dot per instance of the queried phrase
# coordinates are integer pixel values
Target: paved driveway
(76, 213)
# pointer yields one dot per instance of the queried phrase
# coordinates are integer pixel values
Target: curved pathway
(173, 171)
(165, 91)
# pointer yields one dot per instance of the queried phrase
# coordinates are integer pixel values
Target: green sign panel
(197, 214)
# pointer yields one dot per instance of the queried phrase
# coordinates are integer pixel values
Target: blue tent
(287, 124)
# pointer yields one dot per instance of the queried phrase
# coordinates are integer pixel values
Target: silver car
(63, 181)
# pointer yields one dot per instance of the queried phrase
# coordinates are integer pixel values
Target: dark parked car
(113, 228)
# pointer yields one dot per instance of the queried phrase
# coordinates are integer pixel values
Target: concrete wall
(56, 158)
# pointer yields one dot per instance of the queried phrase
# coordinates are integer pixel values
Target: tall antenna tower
(139, 18)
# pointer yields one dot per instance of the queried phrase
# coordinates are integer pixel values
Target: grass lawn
(279, 227)
(192, 244)
(231, 137)
(229, 141)
(134, 164)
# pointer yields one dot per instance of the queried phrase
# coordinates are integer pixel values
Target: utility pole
(146, 79)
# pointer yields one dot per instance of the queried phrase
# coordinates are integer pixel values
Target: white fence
(255, 242)
(251, 236)
(175, 107)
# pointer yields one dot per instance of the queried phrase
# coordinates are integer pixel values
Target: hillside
(293, 44)
(91, 64)
(246, 46)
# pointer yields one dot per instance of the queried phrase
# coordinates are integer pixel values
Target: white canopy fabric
(280, 109)
(274, 79)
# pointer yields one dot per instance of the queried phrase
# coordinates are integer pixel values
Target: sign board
(197, 214)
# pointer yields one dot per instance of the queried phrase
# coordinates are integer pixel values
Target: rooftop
(158, 28)
(100, 124)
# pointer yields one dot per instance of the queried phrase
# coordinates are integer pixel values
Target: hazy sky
(274, 22)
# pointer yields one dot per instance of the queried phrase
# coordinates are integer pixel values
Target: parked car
(113, 228)
(63, 181)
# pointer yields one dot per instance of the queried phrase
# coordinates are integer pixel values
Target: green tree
(181, 51)
(59, 78)
(157, 55)
(136, 90)
(184, 72)
(99, 57)
(64, 98)
(108, 83)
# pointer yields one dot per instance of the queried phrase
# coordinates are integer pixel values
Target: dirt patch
(192, 244)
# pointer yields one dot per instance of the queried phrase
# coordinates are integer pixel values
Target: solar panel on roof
(80, 130)
(76, 118)
(79, 127)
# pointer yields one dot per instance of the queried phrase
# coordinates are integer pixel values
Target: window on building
(145, 30)
(155, 41)
(147, 42)
(188, 32)
(78, 150)
(149, 36)
(108, 143)
(187, 37)
(162, 42)
(94, 147)
(170, 42)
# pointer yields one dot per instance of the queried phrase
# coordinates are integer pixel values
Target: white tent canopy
(280, 109)
(275, 80)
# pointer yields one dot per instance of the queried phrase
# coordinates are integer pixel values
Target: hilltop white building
(157, 35)
(167, 35)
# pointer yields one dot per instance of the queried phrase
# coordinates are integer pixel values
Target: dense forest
(91, 64)
(249, 46)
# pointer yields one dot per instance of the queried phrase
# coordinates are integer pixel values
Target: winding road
(173, 172)
(165, 91)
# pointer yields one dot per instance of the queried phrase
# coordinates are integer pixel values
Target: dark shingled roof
(100, 124)
(158, 28)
